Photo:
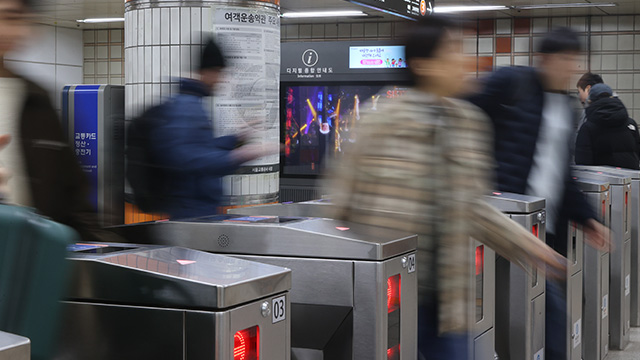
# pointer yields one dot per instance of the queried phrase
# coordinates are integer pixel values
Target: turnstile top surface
(275, 236)
(10, 341)
(515, 203)
(610, 177)
(313, 208)
(591, 185)
(175, 276)
(633, 174)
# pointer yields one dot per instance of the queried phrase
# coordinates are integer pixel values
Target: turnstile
(14, 347)
(620, 258)
(156, 302)
(520, 295)
(595, 312)
(354, 290)
(635, 236)
(483, 276)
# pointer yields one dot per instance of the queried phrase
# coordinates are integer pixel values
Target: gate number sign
(412, 264)
(278, 309)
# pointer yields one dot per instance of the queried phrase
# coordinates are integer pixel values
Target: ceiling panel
(65, 12)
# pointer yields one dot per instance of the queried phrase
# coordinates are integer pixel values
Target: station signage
(410, 9)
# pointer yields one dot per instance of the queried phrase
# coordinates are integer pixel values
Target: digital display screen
(317, 122)
(412, 9)
(376, 57)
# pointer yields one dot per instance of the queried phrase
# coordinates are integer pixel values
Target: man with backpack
(609, 136)
(187, 162)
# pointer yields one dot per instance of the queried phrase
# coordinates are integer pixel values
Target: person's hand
(545, 258)
(4, 172)
(597, 235)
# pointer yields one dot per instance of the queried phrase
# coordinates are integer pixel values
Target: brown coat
(422, 164)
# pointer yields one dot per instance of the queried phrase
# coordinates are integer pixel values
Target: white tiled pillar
(163, 43)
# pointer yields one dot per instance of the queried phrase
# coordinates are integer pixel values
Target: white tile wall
(521, 44)
(52, 59)
(503, 26)
(103, 55)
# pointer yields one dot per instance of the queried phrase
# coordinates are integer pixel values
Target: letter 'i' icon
(310, 58)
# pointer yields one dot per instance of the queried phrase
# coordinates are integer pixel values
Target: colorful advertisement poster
(376, 57)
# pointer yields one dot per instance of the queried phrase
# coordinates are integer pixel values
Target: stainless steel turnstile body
(574, 291)
(520, 295)
(483, 277)
(635, 236)
(595, 313)
(344, 276)
(14, 347)
(620, 261)
(155, 302)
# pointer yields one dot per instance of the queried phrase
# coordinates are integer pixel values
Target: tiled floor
(632, 352)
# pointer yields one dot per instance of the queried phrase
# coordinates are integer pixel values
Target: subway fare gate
(157, 302)
(596, 276)
(635, 235)
(354, 290)
(483, 276)
(620, 256)
(520, 330)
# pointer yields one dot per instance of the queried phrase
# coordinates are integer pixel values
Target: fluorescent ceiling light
(100, 20)
(560, 6)
(313, 14)
(467, 8)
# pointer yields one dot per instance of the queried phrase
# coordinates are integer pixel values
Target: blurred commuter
(610, 136)
(534, 121)
(422, 164)
(44, 172)
(584, 85)
(194, 160)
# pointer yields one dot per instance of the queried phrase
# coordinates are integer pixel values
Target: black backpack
(147, 178)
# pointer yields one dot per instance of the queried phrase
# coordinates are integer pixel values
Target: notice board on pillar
(93, 117)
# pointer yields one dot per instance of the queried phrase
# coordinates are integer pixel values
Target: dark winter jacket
(513, 98)
(59, 188)
(185, 144)
(609, 137)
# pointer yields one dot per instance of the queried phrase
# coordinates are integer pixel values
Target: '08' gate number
(278, 309)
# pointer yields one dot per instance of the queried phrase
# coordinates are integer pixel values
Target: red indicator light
(186, 262)
(535, 231)
(246, 344)
(604, 208)
(600, 172)
(393, 293)
(479, 260)
(393, 353)
(342, 228)
(497, 193)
